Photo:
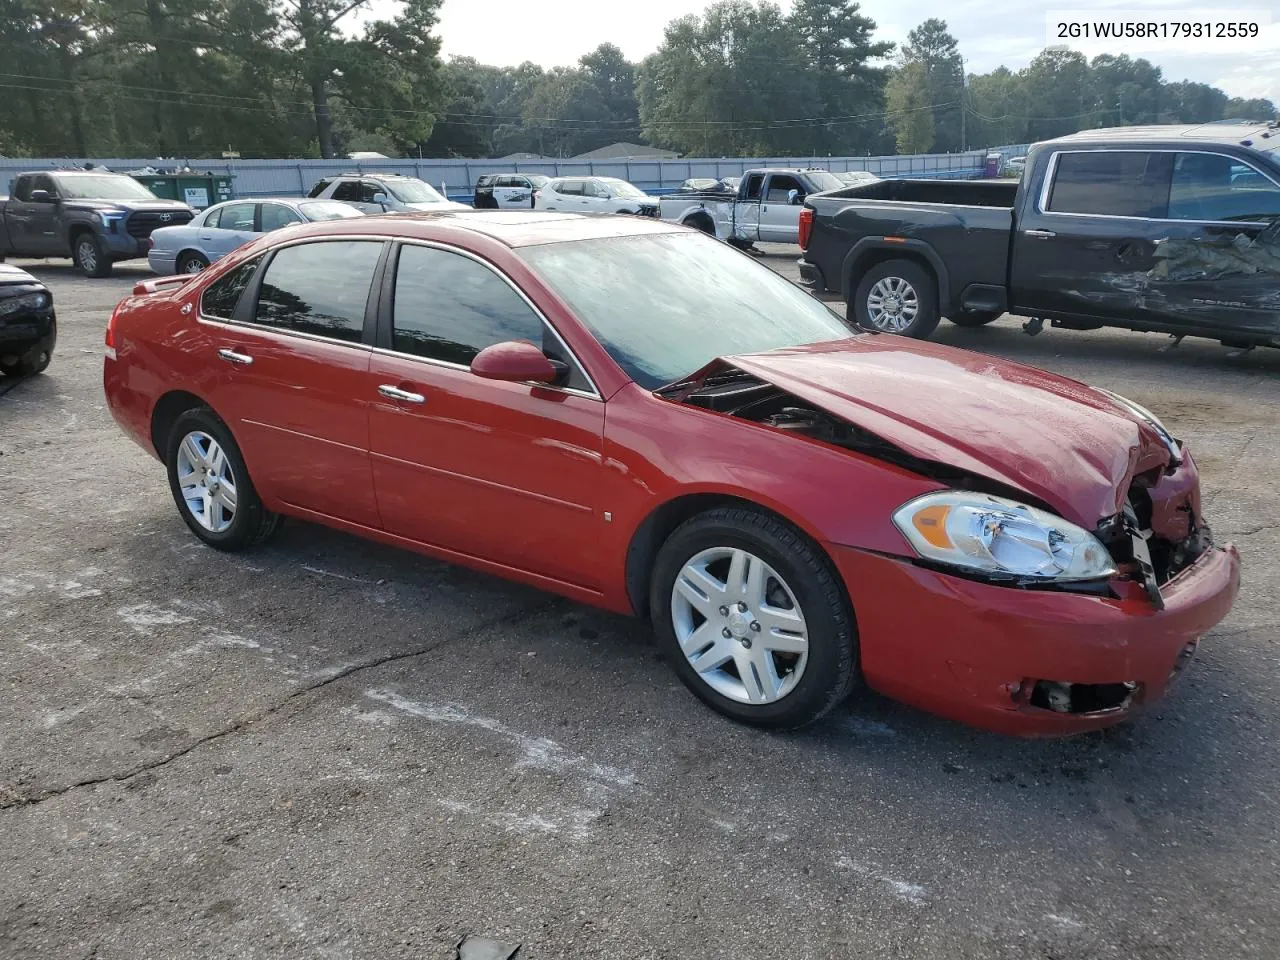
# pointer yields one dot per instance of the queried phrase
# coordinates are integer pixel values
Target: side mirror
(516, 361)
(41, 196)
(795, 197)
(380, 199)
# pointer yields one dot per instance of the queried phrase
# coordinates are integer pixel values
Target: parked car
(1015, 165)
(507, 191)
(853, 178)
(220, 229)
(96, 218)
(594, 195)
(383, 193)
(28, 326)
(722, 454)
(766, 206)
(1173, 229)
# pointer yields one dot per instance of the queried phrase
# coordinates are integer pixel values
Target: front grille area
(142, 223)
(648, 210)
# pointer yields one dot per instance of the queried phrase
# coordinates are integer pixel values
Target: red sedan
(636, 416)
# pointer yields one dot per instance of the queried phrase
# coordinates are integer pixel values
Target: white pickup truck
(766, 207)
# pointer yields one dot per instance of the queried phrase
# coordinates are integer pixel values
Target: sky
(989, 32)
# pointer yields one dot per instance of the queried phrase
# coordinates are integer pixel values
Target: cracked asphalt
(328, 748)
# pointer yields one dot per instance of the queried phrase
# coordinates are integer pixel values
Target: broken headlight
(1145, 415)
(25, 303)
(1001, 538)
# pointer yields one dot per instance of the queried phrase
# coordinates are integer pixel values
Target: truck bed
(968, 224)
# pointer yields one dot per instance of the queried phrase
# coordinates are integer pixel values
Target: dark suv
(94, 217)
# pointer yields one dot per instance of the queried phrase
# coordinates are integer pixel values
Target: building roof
(627, 151)
(513, 157)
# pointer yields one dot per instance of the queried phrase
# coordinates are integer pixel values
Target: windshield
(328, 210)
(538, 180)
(414, 191)
(696, 299)
(623, 189)
(824, 180)
(102, 187)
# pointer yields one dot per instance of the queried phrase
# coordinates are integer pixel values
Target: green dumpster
(198, 190)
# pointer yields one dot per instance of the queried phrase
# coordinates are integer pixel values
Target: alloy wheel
(207, 481)
(892, 305)
(739, 625)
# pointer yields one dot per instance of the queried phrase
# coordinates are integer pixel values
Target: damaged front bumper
(1028, 662)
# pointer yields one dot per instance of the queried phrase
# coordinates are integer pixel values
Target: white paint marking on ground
(907, 892)
(515, 822)
(538, 752)
(144, 616)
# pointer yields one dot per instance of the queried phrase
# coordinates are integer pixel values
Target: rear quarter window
(319, 288)
(220, 298)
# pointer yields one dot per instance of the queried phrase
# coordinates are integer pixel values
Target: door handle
(395, 393)
(243, 359)
(1040, 234)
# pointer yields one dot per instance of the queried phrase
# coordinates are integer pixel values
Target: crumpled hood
(1062, 442)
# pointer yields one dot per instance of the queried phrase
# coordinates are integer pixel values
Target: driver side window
(780, 187)
(449, 307)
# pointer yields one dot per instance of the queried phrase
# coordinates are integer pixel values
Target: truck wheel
(897, 296)
(973, 318)
(90, 257)
(701, 223)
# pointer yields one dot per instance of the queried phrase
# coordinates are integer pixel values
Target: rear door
(1084, 245)
(228, 228)
(289, 371)
(746, 211)
(779, 218)
(505, 472)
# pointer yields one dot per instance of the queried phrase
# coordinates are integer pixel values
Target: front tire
(752, 616)
(897, 296)
(211, 484)
(90, 257)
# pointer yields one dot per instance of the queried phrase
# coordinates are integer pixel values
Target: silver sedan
(223, 227)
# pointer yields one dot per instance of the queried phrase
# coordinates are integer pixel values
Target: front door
(746, 210)
(513, 192)
(779, 217)
(43, 235)
(503, 472)
(288, 375)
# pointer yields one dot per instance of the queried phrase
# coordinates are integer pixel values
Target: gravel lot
(329, 748)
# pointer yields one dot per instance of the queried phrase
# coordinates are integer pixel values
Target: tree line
(319, 78)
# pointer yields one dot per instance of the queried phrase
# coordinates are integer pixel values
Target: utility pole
(964, 85)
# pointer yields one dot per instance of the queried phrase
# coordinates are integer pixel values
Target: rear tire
(974, 318)
(191, 262)
(793, 633)
(90, 257)
(205, 465)
(896, 296)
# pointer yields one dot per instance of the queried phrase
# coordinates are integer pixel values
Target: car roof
(512, 228)
(1225, 132)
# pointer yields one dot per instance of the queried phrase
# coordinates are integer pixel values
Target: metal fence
(264, 178)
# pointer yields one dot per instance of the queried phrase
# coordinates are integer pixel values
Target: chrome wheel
(207, 482)
(892, 305)
(739, 625)
(193, 265)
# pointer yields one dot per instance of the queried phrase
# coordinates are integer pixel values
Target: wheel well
(169, 408)
(701, 221)
(186, 250)
(74, 234)
(879, 255)
(658, 526)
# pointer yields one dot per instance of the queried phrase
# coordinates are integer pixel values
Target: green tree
(842, 53)
(1057, 88)
(1188, 102)
(1125, 92)
(997, 103)
(910, 108)
(614, 78)
(1259, 108)
(931, 46)
(567, 113)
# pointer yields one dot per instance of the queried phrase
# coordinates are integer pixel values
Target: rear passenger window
(449, 307)
(348, 191)
(1208, 186)
(319, 288)
(1111, 183)
(572, 188)
(220, 297)
(277, 215)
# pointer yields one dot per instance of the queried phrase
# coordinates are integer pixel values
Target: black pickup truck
(95, 217)
(1171, 228)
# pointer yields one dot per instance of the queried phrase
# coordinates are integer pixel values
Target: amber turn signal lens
(931, 522)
